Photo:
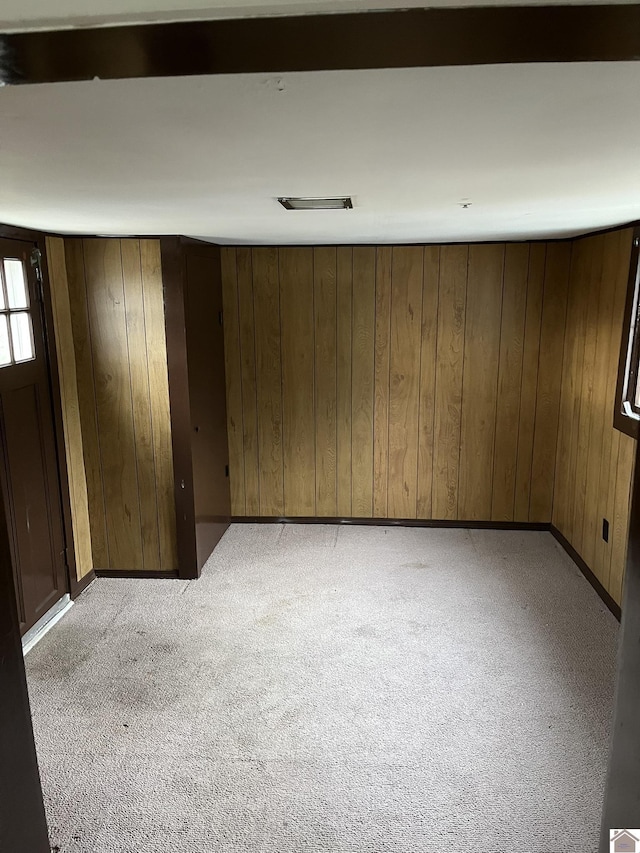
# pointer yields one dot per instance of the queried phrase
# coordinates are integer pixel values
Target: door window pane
(5, 349)
(21, 336)
(16, 283)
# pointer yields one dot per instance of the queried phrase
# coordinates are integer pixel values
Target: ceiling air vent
(342, 203)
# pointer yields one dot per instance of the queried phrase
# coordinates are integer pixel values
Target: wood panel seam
(495, 408)
(338, 395)
(464, 361)
(433, 408)
(314, 381)
(535, 408)
(351, 382)
(153, 425)
(537, 383)
(391, 279)
(564, 355)
(420, 383)
(95, 403)
(281, 379)
(255, 355)
(524, 328)
(243, 426)
(133, 419)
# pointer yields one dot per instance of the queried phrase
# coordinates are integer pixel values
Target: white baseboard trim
(46, 623)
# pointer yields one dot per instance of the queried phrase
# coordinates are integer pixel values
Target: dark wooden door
(28, 463)
(207, 396)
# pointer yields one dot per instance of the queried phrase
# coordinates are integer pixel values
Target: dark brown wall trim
(586, 571)
(78, 587)
(15, 232)
(392, 39)
(127, 573)
(393, 522)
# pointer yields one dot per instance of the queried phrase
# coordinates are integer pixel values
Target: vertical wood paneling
(87, 400)
(479, 389)
(452, 297)
(297, 329)
(617, 261)
(108, 328)
(623, 448)
(395, 379)
(324, 301)
(344, 285)
(404, 391)
(569, 398)
(249, 390)
(362, 380)
(71, 421)
(604, 550)
(153, 297)
(549, 380)
(602, 403)
(381, 389)
(141, 402)
(586, 395)
(594, 462)
(581, 273)
(390, 331)
(268, 372)
(529, 383)
(117, 318)
(233, 374)
(619, 532)
(448, 383)
(514, 302)
(427, 389)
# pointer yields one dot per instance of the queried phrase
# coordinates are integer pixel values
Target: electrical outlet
(605, 529)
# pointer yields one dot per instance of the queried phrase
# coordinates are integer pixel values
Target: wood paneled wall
(458, 382)
(395, 382)
(595, 461)
(71, 422)
(117, 315)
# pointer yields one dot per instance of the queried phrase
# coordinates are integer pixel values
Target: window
(627, 413)
(16, 331)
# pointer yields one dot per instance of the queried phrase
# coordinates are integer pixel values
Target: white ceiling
(538, 150)
(33, 14)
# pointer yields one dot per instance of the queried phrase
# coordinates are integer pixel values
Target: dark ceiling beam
(397, 39)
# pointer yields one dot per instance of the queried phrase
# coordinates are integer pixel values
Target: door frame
(38, 239)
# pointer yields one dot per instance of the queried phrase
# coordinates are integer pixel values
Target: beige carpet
(325, 688)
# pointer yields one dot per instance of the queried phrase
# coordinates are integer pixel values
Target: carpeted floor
(325, 688)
